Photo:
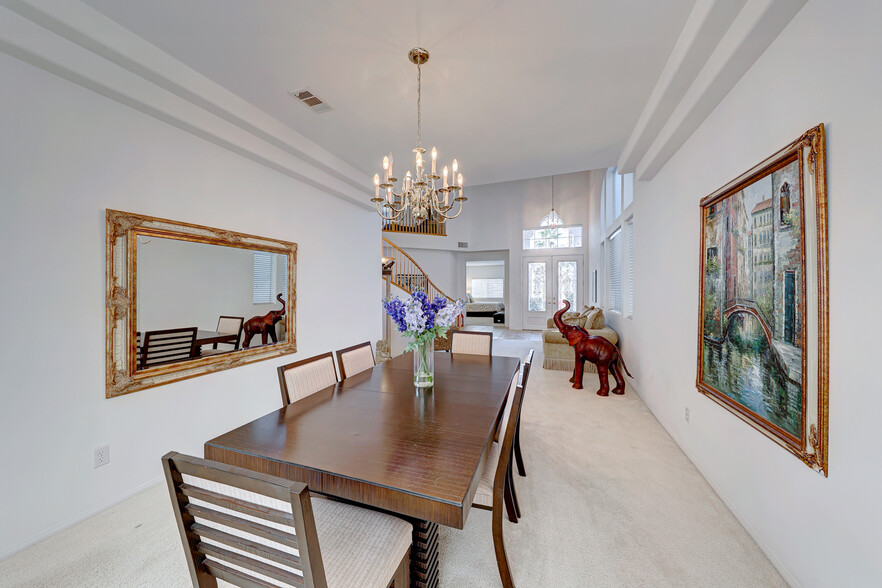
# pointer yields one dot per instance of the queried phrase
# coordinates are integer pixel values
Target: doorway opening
(485, 281)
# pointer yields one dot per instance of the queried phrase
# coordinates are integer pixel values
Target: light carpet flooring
(609, 500)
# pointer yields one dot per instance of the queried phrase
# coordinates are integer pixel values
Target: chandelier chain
(419, 106)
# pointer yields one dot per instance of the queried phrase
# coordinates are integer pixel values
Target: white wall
(439, 266)
(818, 531)
(502, 211)
(494, 220)
(67, 154)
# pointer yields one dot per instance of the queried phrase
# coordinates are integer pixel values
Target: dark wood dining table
(374, 440)
(210, 337)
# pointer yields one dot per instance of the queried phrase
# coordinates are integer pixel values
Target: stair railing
(407, 273)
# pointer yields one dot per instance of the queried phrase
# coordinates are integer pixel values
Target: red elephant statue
(265, 325)
(597, 350)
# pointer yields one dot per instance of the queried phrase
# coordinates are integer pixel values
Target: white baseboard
(34, 539)
(776, 561)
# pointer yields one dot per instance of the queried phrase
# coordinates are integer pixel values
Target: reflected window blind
(614, 271)
(270, 277)
(488, 287)
(629, 268)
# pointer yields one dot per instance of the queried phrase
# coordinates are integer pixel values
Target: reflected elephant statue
(597, 350)
(265, 325)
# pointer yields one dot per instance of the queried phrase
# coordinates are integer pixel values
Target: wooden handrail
(407, 224)
(407, 273)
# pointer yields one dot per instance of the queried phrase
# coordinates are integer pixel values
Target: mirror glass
(195, 299)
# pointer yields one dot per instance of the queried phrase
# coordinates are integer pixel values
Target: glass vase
(424, 364)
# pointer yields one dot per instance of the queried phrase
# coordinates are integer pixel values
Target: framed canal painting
(763, 341)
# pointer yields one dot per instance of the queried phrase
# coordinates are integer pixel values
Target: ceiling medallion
(419, 193)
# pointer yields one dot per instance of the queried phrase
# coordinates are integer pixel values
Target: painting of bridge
(753, 309)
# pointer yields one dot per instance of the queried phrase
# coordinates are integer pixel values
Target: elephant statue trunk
(265, 325)
(598, 350)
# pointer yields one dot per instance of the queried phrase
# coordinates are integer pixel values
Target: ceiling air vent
(311, 101)
(463, 245)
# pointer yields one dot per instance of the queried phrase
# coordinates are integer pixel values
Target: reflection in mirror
(199, 299)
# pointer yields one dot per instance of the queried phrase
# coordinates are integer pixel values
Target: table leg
(424, 555)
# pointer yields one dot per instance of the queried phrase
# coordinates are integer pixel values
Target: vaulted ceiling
(513, 89)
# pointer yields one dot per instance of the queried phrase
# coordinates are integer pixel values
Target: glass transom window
(553, 237)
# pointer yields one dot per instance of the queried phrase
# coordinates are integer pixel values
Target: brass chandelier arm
(392, 217)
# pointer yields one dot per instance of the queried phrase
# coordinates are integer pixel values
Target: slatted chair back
(138, 350)
(167, 346)
(355, 359)
(303, 378)
(506, 412)
(243, 527)
(230, 324)
(499, 479)
(471, 342)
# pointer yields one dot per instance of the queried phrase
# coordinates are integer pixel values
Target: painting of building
(752, 302)
(763, 258)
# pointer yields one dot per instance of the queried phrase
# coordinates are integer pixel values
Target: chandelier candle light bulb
(419, 193)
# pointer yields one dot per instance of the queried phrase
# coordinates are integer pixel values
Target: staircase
(407, 273)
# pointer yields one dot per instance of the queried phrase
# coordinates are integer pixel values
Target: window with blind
(629, 268)
(270, 277)
(614, 271)
(488, 287)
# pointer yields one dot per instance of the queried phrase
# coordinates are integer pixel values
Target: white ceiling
(514, 88)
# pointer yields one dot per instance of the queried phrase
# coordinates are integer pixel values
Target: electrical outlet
(687, 414)
(102, 456)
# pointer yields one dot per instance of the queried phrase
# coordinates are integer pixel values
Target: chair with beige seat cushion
(496, 483)
(515, 512)
(303, 378)
(252, 529)
(519, 458)
(355, 359)
(472, 342)
(227, 324)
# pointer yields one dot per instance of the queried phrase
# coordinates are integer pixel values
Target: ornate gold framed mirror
(185, 300)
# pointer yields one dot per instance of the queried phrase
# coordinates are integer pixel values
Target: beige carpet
(609, 500)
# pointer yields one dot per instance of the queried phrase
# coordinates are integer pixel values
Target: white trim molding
(720, 41)
(76, 42)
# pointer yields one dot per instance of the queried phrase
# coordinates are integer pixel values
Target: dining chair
(252, 529)
(167, 346)
(472, 342)
(514, 509)
(227, 324)
(494, 488)
(302, 378)
(355, 359)
(519, 458)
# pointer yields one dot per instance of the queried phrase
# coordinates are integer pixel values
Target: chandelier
(419, 192)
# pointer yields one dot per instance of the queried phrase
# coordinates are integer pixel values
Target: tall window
(614, 271)
(618, 246)
(628, 271)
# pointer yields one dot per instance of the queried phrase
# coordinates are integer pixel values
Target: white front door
(548, 281)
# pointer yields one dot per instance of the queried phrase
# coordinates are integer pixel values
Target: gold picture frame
(122, 231)
(763, 341)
